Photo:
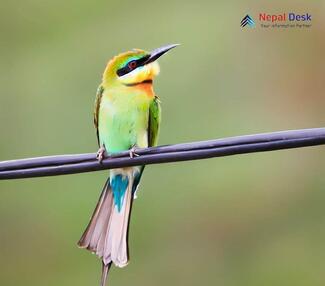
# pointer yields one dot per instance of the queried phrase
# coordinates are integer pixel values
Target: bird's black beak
(157, 53)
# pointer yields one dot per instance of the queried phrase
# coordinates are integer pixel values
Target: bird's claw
(132, 153)
(100, 154)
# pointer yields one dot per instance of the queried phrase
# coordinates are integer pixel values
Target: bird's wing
(154, 122)
(98, 99)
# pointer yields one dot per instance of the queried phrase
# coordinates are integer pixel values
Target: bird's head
(134, 67)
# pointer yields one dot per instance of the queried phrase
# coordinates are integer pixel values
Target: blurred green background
(256, 219)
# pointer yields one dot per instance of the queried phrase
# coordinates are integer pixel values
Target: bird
(127, 116)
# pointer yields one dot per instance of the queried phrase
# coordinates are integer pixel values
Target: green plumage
(126, 117)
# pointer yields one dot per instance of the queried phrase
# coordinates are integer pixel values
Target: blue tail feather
(119, 184)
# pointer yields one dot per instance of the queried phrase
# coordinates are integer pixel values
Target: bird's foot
(132, 153)
(100, 154)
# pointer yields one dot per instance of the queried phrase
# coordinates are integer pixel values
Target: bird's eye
(132, 65)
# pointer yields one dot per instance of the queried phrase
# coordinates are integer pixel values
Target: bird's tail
(107, 232)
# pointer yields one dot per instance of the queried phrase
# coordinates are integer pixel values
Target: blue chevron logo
(247, 20)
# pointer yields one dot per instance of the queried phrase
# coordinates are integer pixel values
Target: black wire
(246, 139)
(71, 164)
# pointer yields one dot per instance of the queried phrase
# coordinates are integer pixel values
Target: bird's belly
(122, 127)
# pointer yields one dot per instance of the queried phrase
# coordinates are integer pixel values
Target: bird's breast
(123, 120)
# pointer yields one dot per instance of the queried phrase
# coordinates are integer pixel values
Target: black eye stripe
(126, 69)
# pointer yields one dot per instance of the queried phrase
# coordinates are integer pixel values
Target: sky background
(255, 219)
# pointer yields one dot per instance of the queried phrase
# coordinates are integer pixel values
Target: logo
(279, 20)
(247, 20)
(285, 20)
(284, 17)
